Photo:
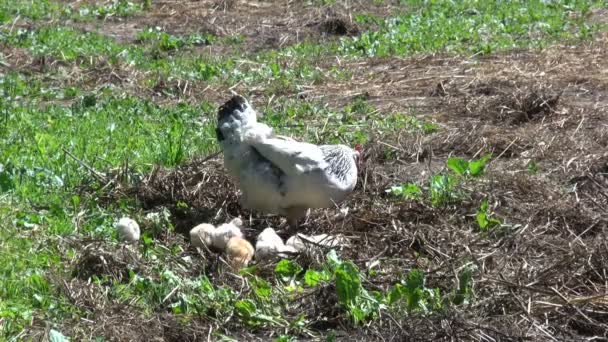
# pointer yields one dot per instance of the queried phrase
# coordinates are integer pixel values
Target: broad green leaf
(395, 294)
(458, 165)
(348, 283)
(414, 287)
(287, 269)
(261, 287)
(407, 190)
(313, 278)
(245, 308)
(484, 221)
(415, 280)
(477, 167)
(357, 314)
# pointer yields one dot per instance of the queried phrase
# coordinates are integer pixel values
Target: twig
(507, 148)
(94, 172)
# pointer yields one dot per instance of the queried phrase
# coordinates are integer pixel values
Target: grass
(54, 132)
(49, 10)
(474, 27)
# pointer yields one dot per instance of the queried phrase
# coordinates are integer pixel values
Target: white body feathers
(277, 175)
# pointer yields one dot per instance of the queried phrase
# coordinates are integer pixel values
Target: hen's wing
(292, 157)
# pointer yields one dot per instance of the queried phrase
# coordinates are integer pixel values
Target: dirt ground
(543, 279)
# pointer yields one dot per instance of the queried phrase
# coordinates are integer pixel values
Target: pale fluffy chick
(269, 244)
(301, 242)
(202, 235)
(239, 251)
(128, 230)
(224, 232)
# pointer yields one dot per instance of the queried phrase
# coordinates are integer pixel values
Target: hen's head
(233, 115)
(359, 155)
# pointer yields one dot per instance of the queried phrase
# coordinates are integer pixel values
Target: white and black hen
(279, 175)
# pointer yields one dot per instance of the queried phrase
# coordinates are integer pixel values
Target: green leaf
(261, 288)
(6, 182)
(287, 269)
(477, 167)
(284, 338)
(407, 190)
(442, 189)
(464, 293)
(532, 167)
(458, 165)
(414, 286)
(245, 308)
(484, 220)
(395, 294)
(313, 278)
(415, 280)
(357, 314)
(348, 283)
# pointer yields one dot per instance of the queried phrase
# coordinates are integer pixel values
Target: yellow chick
(239, 251)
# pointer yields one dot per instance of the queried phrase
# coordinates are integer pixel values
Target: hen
(278, 175)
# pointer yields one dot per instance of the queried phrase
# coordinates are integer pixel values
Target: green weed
(416, 297)
(473, 168)
(474, 27)
(407, 191)
(114, 8)
(35, 10)
(484, 217)
(163, 41)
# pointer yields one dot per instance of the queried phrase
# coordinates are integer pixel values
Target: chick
(128, 230)
(224, 232)
(269, 245)
(239, 251)
(202, 235)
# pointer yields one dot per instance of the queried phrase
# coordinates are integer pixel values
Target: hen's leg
(294, 214)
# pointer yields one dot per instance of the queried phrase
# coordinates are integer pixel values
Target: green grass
(469, 27)
(114, 8)
(475, 27)
(33, 9)
(70, 45)
(50, 10)
(38, 178)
